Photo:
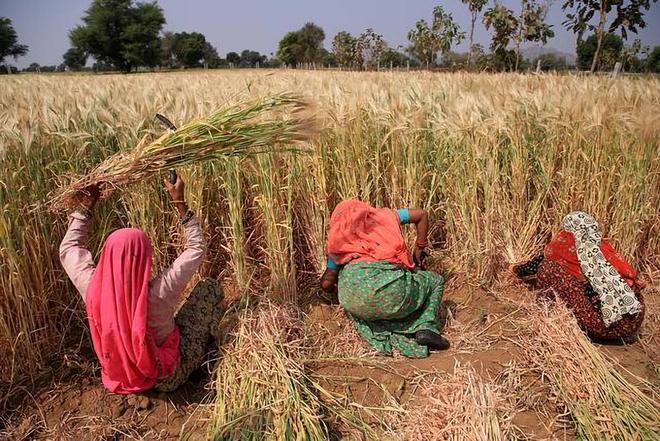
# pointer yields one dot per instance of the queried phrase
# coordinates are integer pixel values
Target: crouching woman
(393, 303)
(599, 286)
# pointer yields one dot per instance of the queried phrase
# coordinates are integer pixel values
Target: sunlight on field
(497, 159)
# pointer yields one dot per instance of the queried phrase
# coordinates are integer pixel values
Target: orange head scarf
(361, 233)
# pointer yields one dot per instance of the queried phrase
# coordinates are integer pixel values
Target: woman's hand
(90, 197)
(177, 194)
(641, 283)
(419, 257)
(329, 281)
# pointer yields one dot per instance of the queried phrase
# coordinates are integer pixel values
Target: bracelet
(186, 217)
(421, 244)
(86, 212)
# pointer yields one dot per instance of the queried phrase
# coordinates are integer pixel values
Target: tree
(610, 51)
(327, 58)
(475, 7)
(9, 45)
(288, 50)
(273, 61)
(310, 39)
(33, 67)
(428, 41)
(75, 58)
(302, 46)
(369, 48)
(630, 60)
(141, 41)
(167, 58)
(233, 58)
(629, 16)
(532, 26)
(529, 26)
(344, 47)
(211, 58)
(505, 27)
(454, 60)
(477, 51)
(550, 62)
(121, 34)
(189, 48)
(652, 63)
(393, 58)
(251, 58)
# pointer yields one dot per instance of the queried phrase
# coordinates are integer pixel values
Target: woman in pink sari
(139, 341)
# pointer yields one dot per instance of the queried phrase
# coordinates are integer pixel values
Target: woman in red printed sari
(393, 303)
(595, 282)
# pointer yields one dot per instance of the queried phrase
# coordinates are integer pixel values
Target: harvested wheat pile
(263, 392)
(602, 402)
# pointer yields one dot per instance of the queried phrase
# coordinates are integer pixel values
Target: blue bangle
(332, 265)
(404, 215)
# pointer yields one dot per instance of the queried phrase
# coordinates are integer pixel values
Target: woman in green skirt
(393, 302)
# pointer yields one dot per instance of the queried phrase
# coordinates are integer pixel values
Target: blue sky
(259, 24)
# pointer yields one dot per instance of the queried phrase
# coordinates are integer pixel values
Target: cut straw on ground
(603, 403)
(263, 389)
(334, 334)
(458, 406)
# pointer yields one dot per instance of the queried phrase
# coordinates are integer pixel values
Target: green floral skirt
(389, 304)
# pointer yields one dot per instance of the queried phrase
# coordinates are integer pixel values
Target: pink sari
(117, 306)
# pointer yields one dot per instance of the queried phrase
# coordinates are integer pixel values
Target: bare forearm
(182, 208)
(423, 230)
(421, 220)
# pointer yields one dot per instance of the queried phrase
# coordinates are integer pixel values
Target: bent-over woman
(393, 303)
(139, 342)
(594, 281)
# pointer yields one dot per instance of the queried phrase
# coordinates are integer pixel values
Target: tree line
(124, 35)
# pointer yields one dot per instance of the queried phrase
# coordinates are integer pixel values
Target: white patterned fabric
(616, 296)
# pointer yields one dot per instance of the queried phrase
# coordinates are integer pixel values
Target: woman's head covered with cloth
(580, 250)
(361, 233)
(117, 306)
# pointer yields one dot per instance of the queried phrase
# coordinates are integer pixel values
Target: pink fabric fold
(117, 306)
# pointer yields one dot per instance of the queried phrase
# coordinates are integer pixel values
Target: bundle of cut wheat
(263, 392)
(603, 402)
(247, 128)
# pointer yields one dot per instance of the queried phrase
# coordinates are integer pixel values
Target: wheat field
(497, 159)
